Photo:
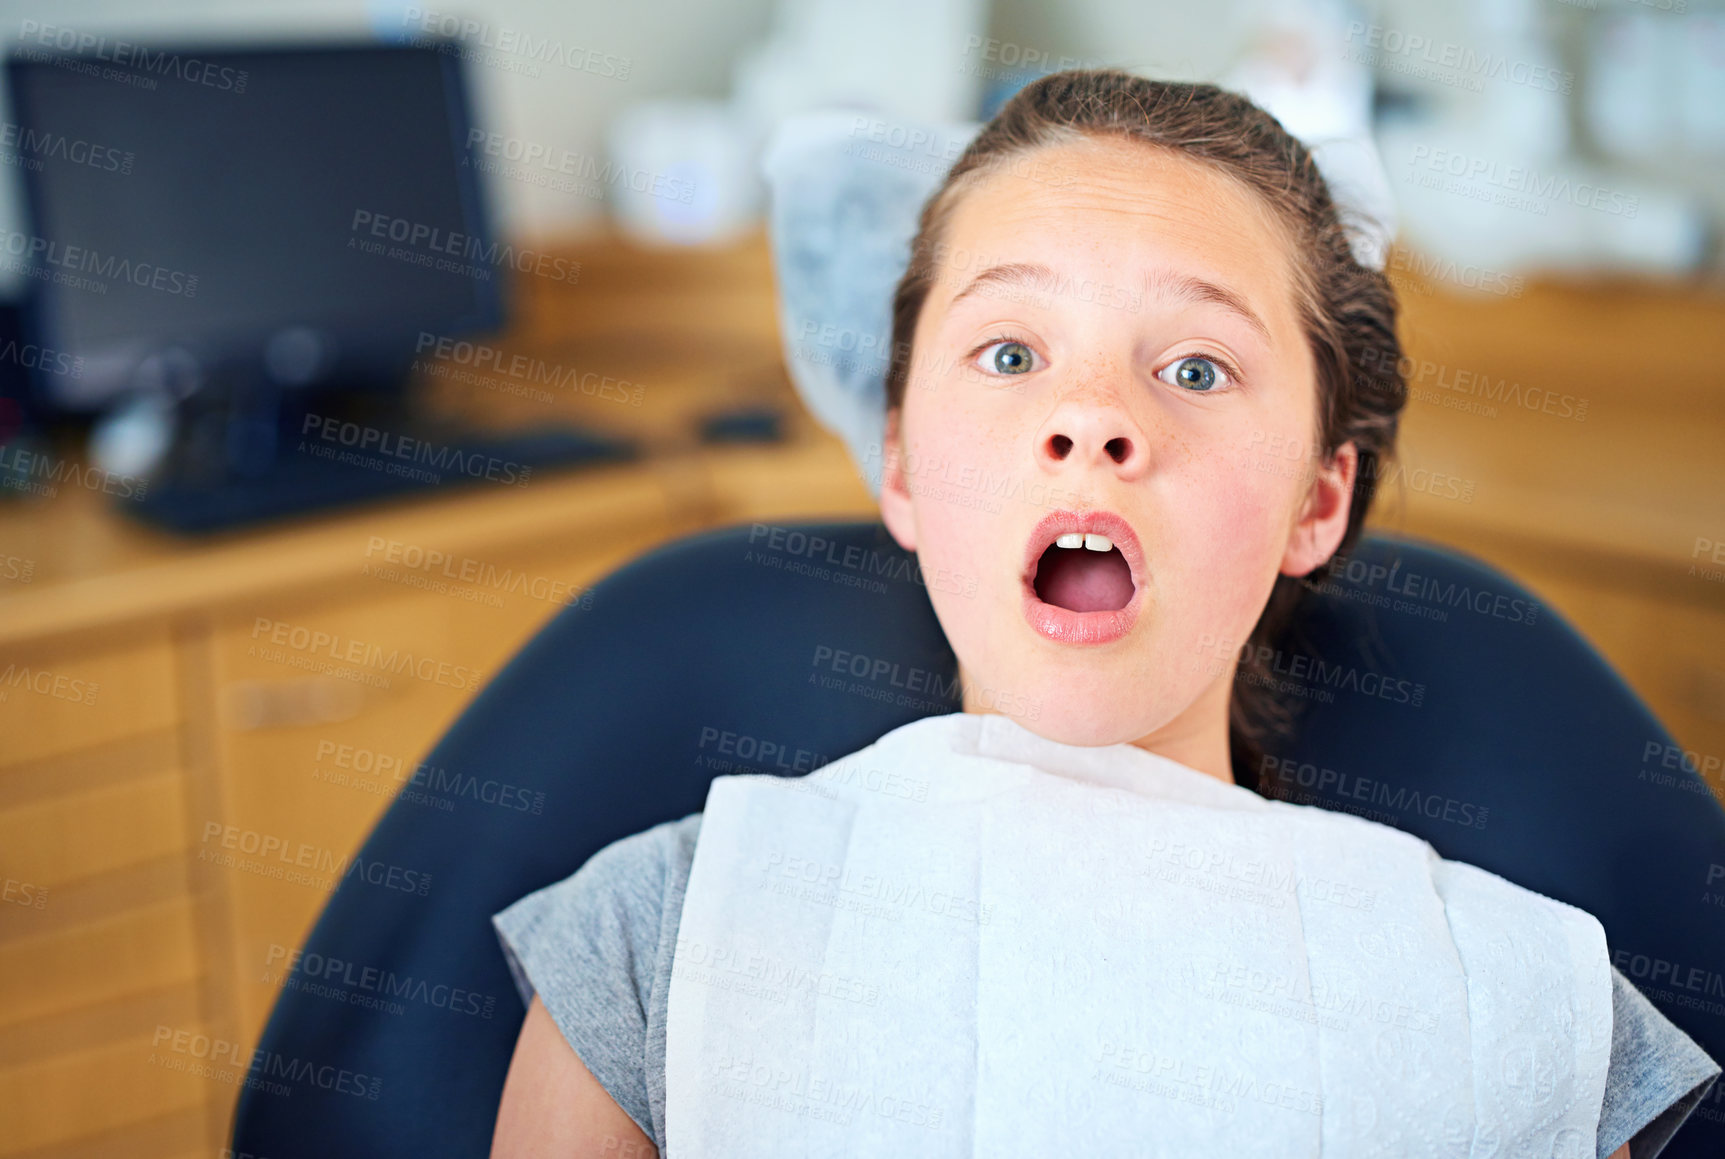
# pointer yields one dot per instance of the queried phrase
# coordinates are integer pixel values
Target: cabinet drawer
(58, 699)
(295, 684)
(327, 707)
(66, 839)
(141, 949)
(324, 721)
(84, 1093)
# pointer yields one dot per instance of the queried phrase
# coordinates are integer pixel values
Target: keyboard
(340, 464)
(318, 474)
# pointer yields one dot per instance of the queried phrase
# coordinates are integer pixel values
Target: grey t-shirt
(597, 947)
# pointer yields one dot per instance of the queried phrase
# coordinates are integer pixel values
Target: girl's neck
(1196, 738)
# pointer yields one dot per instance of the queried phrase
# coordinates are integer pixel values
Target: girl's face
(1156, 373)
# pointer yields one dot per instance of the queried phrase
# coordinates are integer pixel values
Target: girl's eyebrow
(1164, 284)
(1185, 287)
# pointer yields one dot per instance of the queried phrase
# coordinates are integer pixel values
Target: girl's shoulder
(596, 947)
(664, 850)
(1657, 1078)
(617, 896)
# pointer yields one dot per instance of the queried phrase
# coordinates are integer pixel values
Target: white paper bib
(969, 940)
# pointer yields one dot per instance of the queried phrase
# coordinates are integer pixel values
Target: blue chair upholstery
(1442, 698)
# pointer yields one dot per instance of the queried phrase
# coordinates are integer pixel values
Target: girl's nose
(1094, 433)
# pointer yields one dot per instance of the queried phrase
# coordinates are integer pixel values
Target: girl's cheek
(1225, 521)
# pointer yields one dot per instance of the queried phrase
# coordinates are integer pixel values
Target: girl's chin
(1069, 720)
(1088, 733)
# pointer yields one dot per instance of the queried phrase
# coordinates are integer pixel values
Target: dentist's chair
(1475, 718)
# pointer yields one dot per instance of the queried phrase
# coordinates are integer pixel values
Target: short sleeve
(1656, 1077)
(588, 946)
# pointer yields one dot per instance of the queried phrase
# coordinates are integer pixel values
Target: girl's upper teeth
(1087, 539)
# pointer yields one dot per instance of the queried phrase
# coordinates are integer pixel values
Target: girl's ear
(895, 509)
(1323, 518)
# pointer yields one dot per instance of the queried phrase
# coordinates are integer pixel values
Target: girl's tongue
(1081, 580)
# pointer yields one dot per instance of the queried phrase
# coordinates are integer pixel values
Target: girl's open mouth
(1082, 578)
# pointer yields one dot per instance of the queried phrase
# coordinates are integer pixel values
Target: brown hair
(1348, 311)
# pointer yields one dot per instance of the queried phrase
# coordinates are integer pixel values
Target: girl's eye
(1199, 375)
(1010, 356)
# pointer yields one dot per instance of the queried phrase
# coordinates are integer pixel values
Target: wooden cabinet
(179, 790)
(99, 927)
(55, 700)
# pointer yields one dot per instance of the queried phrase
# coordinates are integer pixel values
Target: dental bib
(969, 940)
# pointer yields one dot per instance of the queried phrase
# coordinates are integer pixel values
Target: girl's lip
(1063, 625)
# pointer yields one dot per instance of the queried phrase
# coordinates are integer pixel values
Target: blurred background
(343, 344)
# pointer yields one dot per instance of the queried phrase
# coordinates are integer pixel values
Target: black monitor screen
(213, 207)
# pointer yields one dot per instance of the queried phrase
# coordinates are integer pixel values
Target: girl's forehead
(1125, 210)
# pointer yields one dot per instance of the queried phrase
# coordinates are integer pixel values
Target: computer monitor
(300, 213)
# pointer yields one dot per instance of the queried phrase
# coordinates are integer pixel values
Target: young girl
(1129, 297)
